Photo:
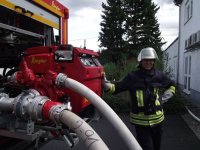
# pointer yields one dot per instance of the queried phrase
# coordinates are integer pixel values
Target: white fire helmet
(147, 53)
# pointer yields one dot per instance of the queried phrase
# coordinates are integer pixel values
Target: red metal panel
(40, 60)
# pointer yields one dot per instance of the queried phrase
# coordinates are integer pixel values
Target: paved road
(177, 136)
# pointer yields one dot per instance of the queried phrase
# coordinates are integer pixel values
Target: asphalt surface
(176, 136)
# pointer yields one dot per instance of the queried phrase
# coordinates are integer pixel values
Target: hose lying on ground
(63, 81)
(195, 117)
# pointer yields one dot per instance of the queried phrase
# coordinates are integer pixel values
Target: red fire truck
(34, 53)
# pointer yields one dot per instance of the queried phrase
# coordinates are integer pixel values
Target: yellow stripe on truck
(11, 6)
(7, 4)
(50, 8)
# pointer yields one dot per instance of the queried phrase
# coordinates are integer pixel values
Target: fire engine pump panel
(48, 88)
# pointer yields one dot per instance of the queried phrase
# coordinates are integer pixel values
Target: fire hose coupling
(6, 103)
(29, 105)
(56, 110)
(60, 79)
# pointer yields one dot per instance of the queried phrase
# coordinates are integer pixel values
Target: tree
(112, 31)
(127, 27)
(178, 2)
(142, 28)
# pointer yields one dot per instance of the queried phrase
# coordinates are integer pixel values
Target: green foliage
(142, 28)
(159, 64)
(128, 26)
(175, 104)
(177, 2)
(112, 73)
(120, 102)
(128, 67)
(111, 35)
(116, 72)
(117, 103)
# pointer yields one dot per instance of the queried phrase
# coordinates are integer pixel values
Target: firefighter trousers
(149, 138)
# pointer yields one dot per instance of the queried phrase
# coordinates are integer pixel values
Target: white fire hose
(90, 138)
(193, 115)
(63, 81)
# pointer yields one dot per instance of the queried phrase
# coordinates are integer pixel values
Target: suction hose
(63, 81)
(90, 138)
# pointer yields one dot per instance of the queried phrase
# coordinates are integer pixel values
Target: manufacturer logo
(38, 61)
(54, 6)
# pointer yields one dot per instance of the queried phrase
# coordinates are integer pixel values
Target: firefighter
(145, 86)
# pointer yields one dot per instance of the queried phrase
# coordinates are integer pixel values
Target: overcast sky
(85, 17)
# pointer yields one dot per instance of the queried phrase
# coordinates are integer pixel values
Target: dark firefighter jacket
(145, 90)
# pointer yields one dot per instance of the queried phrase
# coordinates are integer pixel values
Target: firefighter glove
(167, 95)
(107, 85)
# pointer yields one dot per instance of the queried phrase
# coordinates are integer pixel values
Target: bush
(121, 102)
(117, 72)
(111, 71)
(117, 103)
(175, 105)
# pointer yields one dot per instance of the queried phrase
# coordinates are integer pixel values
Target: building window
(188, 10)
(187, 74)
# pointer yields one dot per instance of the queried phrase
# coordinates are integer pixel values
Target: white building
(171, 57)
(184, 53)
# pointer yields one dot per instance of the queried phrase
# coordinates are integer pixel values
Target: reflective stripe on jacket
(147, 120)
(154, 117)
(145, 90)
